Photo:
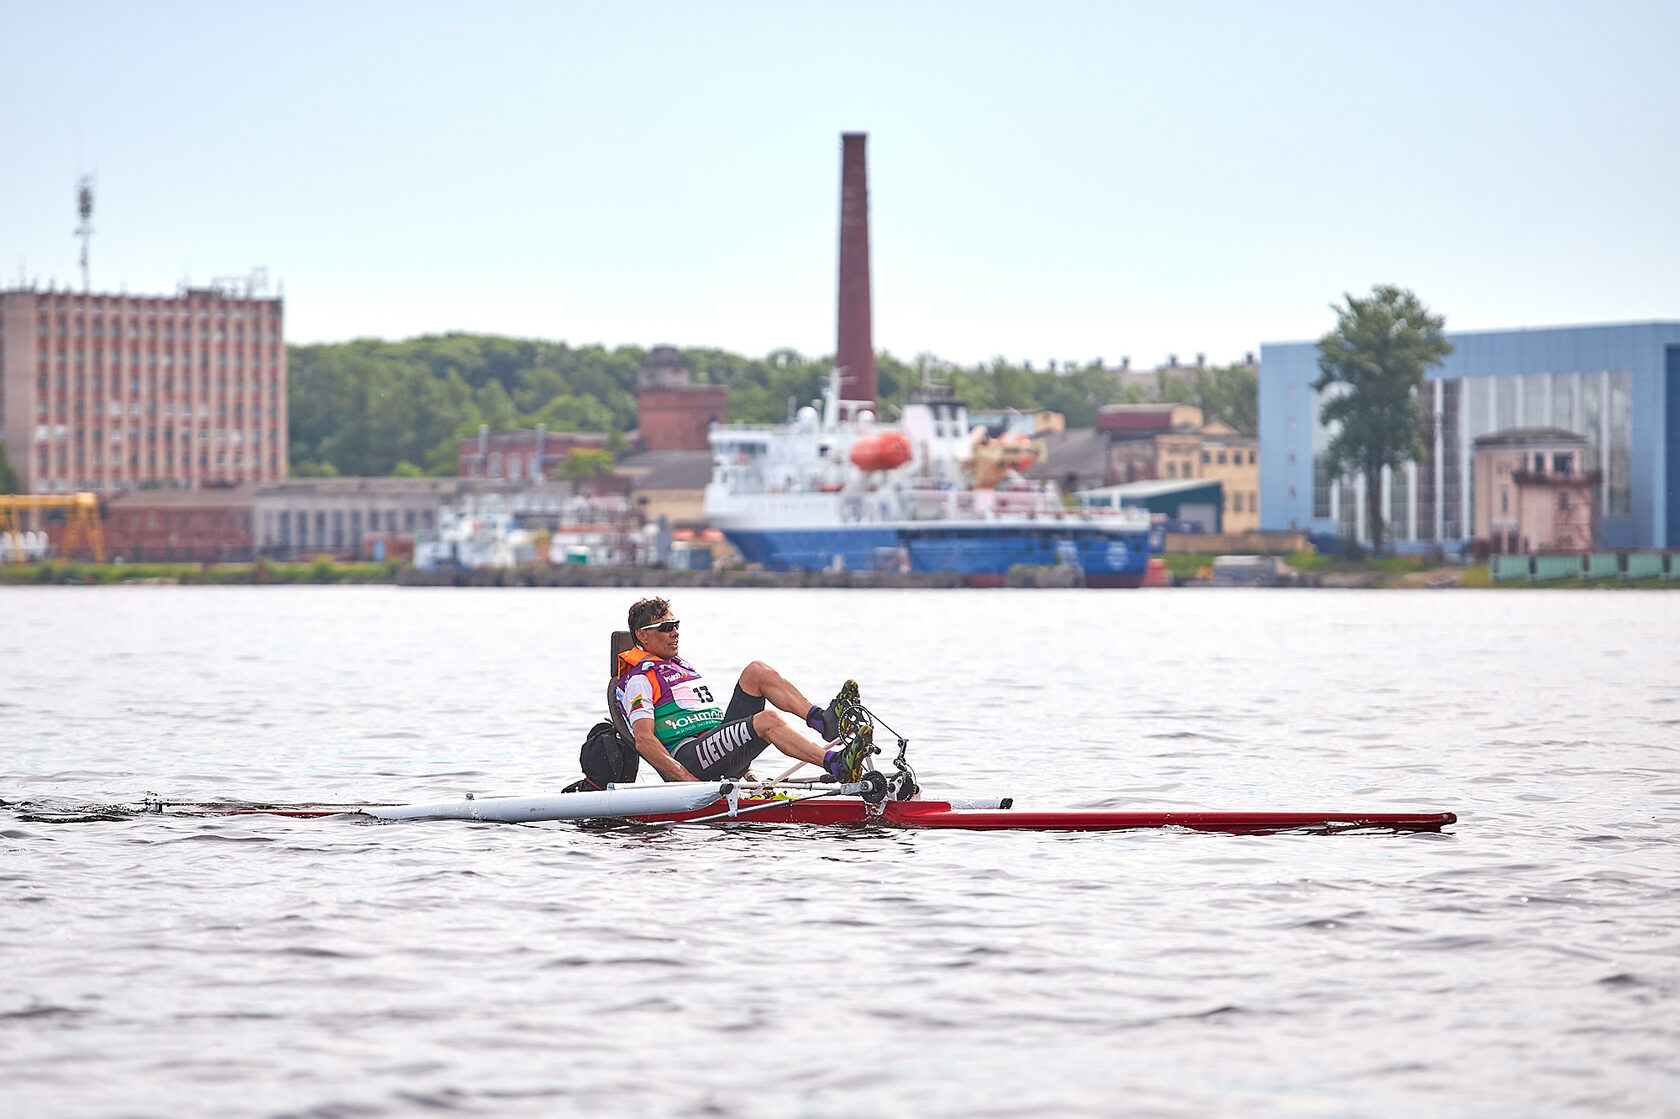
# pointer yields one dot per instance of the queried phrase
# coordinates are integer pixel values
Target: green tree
(1228, 392)
(584, 461)
(1371, 377)
(9, 480)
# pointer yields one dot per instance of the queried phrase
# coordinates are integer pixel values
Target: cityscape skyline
(1076, 182)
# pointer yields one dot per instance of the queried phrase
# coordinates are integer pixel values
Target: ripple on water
(1524, 963)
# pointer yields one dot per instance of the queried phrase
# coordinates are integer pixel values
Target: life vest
(683, 704)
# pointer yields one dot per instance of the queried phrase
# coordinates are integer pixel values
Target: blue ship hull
(978, 551)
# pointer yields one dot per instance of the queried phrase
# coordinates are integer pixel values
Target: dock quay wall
(586, 576)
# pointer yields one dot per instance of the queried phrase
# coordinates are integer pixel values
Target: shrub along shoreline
(319, 570)
(1384, 572)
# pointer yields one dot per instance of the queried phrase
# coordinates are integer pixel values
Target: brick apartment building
(111, 392)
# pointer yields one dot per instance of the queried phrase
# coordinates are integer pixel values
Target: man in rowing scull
(684, 734)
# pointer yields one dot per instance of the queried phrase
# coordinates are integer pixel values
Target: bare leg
(759, 678)
(780, 733)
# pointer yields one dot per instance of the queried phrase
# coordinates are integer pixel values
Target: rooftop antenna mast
(84, 208)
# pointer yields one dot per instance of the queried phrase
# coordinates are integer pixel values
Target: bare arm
(649, 747)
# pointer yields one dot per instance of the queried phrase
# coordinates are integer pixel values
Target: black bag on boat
(606, 759)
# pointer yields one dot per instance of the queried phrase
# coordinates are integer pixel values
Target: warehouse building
(1616, 385)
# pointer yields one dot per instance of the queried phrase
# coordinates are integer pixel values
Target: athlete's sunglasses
(664, 627)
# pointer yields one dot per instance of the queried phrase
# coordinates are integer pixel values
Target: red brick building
(208, 525)
(671, 413)
(105, 393)
(523, 455)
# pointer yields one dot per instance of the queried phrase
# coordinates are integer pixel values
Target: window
(1251, 458)
(1563, 464)
(1206, 457)
(1321, 486)
(1221, 458)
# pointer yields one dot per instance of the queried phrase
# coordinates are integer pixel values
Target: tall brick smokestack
(855, 352)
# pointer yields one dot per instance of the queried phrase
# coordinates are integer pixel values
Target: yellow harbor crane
(82, 526)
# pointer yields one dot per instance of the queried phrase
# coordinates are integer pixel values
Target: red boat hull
(939, 814)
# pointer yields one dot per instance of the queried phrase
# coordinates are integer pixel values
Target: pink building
(1532, 491)
(107, 393)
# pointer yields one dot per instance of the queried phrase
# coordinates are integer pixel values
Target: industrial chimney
(855, 352)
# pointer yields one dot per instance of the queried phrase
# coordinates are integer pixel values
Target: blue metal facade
(1641, 361)
(1672, 488)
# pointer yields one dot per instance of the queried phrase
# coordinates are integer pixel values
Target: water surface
(1525, 962)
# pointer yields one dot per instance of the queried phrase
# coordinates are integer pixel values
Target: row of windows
(94, 485)
(45, 433)
(65, 330)
(177, 463)
(301, 528)
(114, 408)
(181, 522)
(1235, 501)
(115, 306)
(64, 382)
(516, 465)
(168, 358)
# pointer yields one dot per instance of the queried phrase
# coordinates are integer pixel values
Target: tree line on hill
(370, 407)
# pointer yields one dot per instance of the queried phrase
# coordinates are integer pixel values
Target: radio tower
(84, 208)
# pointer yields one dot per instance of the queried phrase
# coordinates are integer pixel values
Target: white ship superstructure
(822, 492)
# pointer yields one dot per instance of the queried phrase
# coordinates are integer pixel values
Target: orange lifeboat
(881, 450)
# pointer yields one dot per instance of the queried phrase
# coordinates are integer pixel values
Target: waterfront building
(1537, 491)
(1195, 501)
(531, 454)
(106, 393)
(1159, 442)
(1216, 450)
(331, 516)
(1617, 386)
(186, 526)
(669, 486)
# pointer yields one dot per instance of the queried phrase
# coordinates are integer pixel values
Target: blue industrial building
(1617, 385)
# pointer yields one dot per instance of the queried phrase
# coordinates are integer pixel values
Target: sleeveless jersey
(670, 692)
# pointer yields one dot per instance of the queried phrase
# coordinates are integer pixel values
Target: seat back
(621, 640)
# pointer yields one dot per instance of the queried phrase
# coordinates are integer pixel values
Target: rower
(681, 729)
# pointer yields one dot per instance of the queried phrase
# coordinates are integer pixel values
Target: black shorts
(728, 749)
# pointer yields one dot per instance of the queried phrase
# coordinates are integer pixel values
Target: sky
(1049, 181)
